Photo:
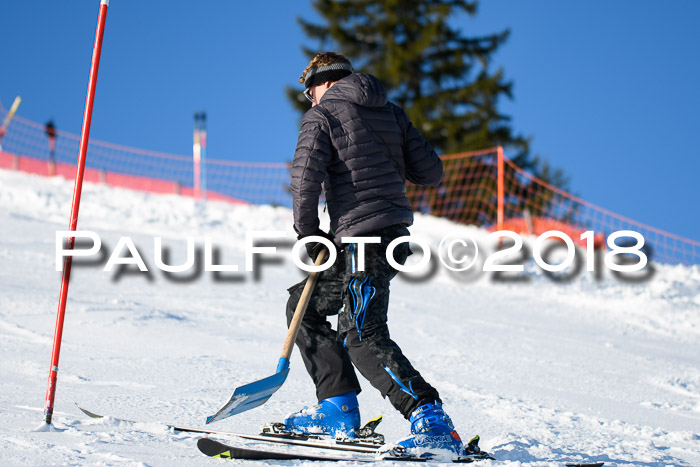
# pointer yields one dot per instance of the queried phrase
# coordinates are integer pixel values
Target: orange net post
(501, 188)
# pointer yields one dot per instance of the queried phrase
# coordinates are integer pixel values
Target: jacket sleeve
(311, 159)
(423, 166)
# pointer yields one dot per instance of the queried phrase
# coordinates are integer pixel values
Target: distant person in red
(51, 134)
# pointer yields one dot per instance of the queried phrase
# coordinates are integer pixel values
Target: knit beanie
(331, 72)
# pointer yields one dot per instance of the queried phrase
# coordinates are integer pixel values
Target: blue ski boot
(337, 417)
(431, 431)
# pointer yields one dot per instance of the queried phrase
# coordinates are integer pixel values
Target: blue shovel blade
(252, 395)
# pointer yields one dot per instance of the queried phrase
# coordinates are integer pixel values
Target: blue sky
(607, 90)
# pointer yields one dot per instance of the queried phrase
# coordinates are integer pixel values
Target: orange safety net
(26, 147)
(482, 188)
(485, 188)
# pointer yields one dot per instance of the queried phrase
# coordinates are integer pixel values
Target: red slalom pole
(77, 190)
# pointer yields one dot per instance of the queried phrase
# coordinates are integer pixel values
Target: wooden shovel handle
(301, 307)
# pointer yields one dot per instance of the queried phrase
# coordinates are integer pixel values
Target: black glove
(314, 248)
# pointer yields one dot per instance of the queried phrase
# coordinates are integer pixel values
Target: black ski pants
(361, 300)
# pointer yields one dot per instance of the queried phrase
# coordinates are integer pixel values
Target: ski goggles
(307, 94)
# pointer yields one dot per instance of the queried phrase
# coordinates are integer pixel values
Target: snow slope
(545, 372)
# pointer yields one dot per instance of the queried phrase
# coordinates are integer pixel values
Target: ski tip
(375, 421)
(209, 447)
(87, 412)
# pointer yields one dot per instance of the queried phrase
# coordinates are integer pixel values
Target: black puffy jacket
(361, 148)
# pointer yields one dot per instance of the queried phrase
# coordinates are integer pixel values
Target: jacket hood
(359, 88)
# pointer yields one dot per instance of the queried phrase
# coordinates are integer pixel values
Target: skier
(359, 149)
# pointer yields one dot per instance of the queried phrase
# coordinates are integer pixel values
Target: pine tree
(440, 77)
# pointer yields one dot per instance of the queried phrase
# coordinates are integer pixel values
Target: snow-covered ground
(545, 372)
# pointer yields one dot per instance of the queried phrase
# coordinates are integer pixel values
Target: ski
(213, 448)
(273, 433)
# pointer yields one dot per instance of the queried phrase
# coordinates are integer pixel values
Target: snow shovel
(255, 394)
